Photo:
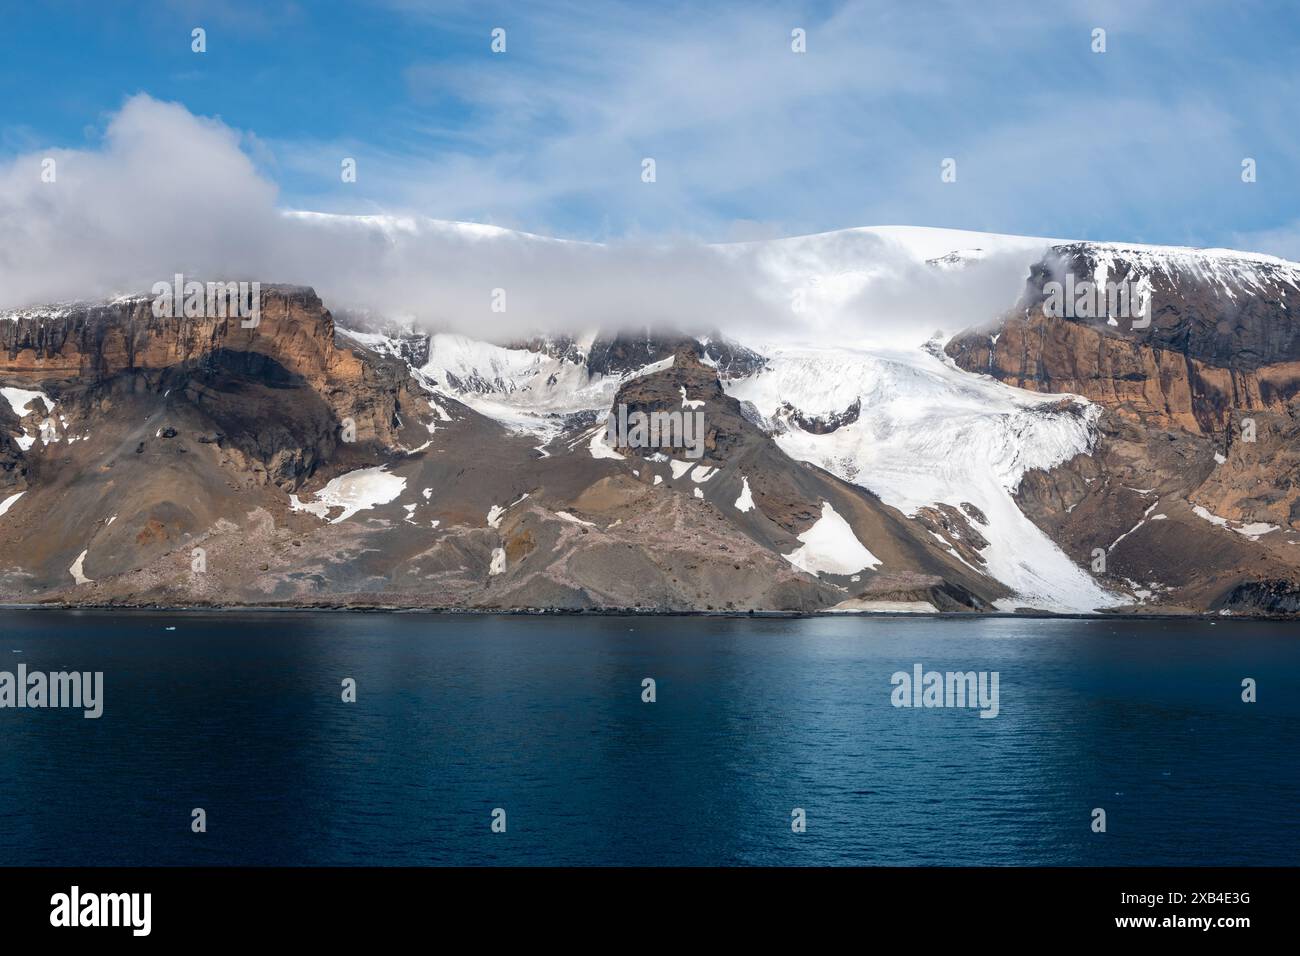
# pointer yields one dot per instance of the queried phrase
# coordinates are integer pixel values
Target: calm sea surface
(241, 714)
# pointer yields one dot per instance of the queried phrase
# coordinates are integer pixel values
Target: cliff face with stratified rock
(1224, 334)
(139, 434)
(1198, 465)
(273, 394)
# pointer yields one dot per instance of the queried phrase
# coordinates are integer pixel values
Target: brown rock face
(277, 395)
(1202, 412)
(166, 431)
(1227, 310)
(1223, 335)
(94, 342)
(1165, 387)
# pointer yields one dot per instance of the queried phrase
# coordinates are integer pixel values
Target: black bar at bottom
(336, 905)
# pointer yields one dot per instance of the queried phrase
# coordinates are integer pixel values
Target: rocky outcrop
(1128, 374)
(1200, 441)
(281, 393)
(886, 590)
(1223, 335)
(1255, 597)
(88, 343)
(622, 352)
(819, 424)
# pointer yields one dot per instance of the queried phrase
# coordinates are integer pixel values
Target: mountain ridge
(314, 463)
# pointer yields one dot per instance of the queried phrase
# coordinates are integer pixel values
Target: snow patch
(598, 447)
(78, 571)
(1209, 516)
(831, 547)
(356, 491)
(20, 400)
(746, 501)
(496, 511)
(1253, 531)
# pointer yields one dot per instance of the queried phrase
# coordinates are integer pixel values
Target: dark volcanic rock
(820, 424)
(1266, 597)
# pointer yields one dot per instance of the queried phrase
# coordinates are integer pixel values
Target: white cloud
(166, 188)
(167, 191)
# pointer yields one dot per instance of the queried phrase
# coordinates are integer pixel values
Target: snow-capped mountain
(850, 458)
(1219, 271)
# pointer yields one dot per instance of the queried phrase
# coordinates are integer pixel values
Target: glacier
(929, 432)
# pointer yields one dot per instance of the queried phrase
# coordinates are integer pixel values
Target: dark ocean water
(240, 714)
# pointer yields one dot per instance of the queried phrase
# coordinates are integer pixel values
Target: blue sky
(1142, 143)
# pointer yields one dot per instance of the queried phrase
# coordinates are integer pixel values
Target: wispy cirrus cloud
(1142, 142)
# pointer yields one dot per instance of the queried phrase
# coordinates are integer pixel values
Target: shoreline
(639, 613)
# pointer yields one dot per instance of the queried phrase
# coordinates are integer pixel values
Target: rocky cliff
(148, 459)
(1202, 425)
(276, 395)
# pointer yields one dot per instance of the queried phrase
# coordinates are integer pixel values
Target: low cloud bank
(169, 192)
